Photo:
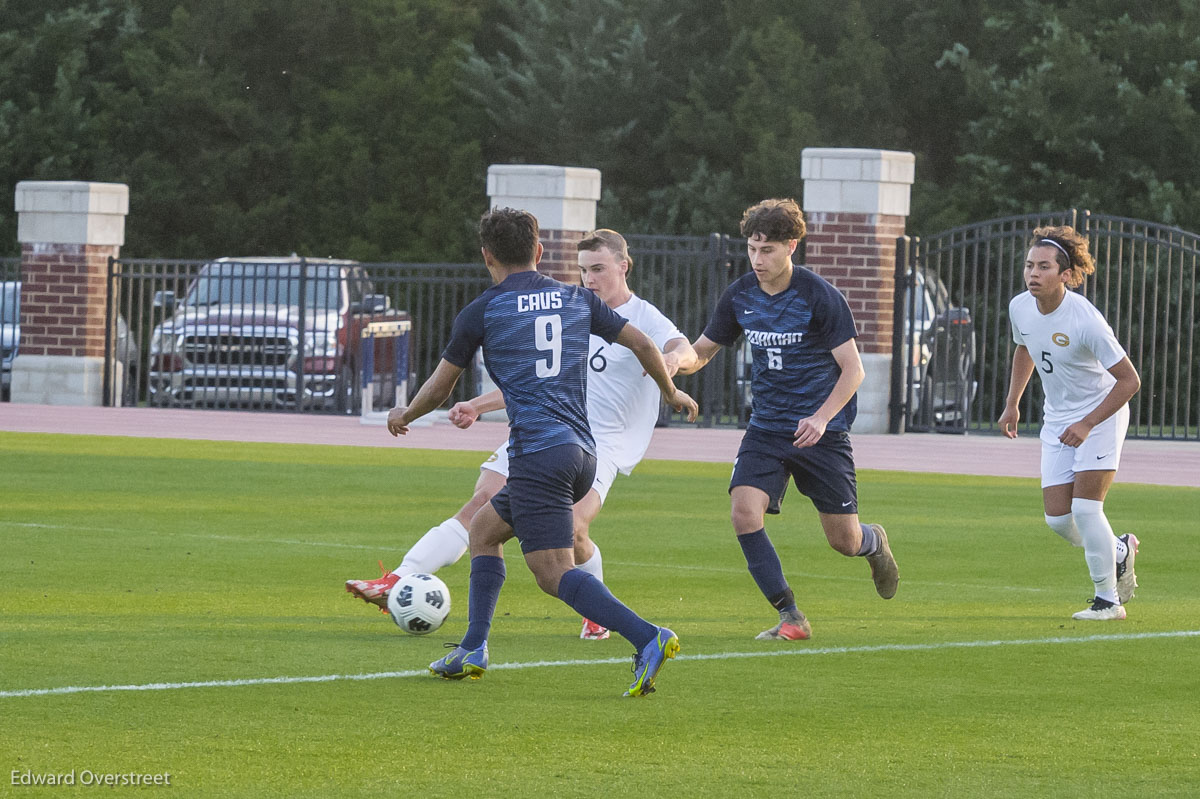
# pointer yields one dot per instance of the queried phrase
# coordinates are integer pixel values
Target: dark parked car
(940, 353)
(10, 332)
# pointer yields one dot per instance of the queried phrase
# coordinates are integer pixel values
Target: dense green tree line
(260, 126)
(364, 129)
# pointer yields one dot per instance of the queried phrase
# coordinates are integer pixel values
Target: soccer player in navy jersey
(535, 334)
(806, 370)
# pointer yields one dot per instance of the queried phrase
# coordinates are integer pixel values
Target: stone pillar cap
(855, 180)
(561, 197)
(71, 212)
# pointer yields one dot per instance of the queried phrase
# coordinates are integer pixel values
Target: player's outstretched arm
(705, 349)
(464, 414)
(1022, 370)
(680, 357)
(433, 393)
(652, 361)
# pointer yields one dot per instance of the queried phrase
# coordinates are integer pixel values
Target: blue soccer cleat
(646, 664)
(461, 663)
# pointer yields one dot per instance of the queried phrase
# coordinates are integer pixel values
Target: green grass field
(161, 564)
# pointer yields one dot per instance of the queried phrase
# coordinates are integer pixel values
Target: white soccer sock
(1065, 526)
(439, 547)
(594, 565)
(1099, 545)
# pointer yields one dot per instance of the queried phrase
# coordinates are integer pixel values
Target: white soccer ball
(419, 603)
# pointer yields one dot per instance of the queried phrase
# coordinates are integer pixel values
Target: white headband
(1061, 249)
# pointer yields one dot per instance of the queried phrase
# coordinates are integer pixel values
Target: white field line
(541, 664)
(377, 548)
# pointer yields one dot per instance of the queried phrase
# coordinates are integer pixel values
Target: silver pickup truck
(264, 332)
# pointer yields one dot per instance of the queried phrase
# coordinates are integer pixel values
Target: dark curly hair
(775, 220)
(1071, 251)
(511, 236)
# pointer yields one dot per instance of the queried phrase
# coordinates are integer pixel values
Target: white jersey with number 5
(622, 403)
(1072, 348)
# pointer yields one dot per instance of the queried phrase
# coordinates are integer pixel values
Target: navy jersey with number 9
(535, 333)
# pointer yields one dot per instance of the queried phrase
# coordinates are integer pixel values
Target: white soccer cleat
(1101, 610)
(1126, 579)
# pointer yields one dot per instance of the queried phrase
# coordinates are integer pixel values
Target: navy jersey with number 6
(535, 333)
(791, 336)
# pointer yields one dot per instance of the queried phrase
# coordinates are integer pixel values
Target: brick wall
(560, 255)
(63, 298)
(857, 254)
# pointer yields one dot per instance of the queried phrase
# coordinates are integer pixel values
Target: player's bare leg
(548, 567)
(847, 535)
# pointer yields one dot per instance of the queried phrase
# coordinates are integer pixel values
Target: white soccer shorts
(1100, 451)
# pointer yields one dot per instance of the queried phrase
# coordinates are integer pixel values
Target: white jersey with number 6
(622, 403)
(1072, 348)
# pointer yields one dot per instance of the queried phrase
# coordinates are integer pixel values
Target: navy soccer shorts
(542, 489)
(823, 472)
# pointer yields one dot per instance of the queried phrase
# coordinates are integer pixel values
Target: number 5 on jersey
(547, 337)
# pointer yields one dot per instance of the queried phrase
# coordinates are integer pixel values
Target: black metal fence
(281, 334)
(684, 276)
(957, 347)
(951, 331)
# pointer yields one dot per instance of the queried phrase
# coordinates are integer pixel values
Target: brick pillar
(855, 204)
(67, 231)
(563, 198)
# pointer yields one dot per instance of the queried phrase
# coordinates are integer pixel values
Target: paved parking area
(1159, 462)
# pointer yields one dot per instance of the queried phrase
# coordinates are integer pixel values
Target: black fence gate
(284, 334)
(952, 329)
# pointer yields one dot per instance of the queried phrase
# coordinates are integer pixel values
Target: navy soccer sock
(591, 599)
(766, 569)
(870, 541)
(487, 578)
